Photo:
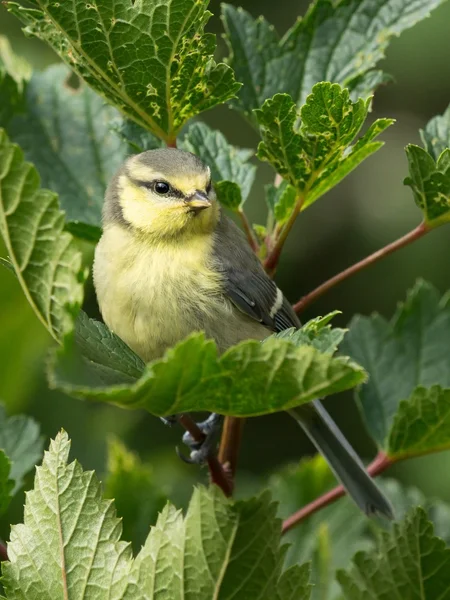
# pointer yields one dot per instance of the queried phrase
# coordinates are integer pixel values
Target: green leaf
(151, 60)
(409, 351)
(328, 538)
(422, 423)
(339, 42)
(317, 332)
(74, 538)
(20, 439)
(46, 260)
(436, 135)
(6, 484)
(137, 138)
(317, 155)
(65, 133)
(227, 163)
(137, 496)
(409, 562)
(191, 376)
(281, 200)
(14, 73)
(430, 183)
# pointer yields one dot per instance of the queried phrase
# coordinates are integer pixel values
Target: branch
(249, 232)
(410, 237)
(271, 262)
(230, 444)
(217, 473)
(377, 466)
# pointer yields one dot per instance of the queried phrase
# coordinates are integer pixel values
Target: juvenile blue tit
(170, 262)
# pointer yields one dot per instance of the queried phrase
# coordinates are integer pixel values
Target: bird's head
(163, 194)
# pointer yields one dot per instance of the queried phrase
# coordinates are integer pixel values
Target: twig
(249, 232)
(377, 466)
(3, 552)
(410, 237)
(271, 262)
(230, 443)
(172, 142)
(216, 471)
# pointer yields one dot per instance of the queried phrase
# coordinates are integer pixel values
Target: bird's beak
(198, 201)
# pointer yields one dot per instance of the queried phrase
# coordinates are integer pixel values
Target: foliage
(139, 74)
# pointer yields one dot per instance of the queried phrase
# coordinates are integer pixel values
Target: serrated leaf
(151, 60)
(319, 154)
(421, 424)
(65, 133)
(45, 258)
(339, 42)
(191, 376)
(137, 496)
(21, 440)
(430, 184)
(436, 135)
(409, 351)
(69, 545)
(409, 562)
(316, 332)
(6, 484)
(227, 163)
(14, 73)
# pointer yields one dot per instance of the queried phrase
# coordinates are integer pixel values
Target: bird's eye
(161, 187)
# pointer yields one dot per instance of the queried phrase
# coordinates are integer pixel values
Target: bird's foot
(199, 451)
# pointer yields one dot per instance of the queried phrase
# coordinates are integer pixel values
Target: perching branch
(217, 473)
(230, 444)
(410, 237)
(377, 466)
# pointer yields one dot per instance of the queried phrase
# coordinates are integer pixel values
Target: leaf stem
(3, 551)
(377, 466)
(248, 231)
(230, 444)
(271, 262)
(217, 473)
(410, 237)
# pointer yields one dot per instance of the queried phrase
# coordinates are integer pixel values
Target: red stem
(249, 232)
(410, 237)
(3, 552)
(377, 466)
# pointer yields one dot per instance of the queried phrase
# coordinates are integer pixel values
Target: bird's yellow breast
(153, 295)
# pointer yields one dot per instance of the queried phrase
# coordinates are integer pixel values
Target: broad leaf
(317, 155)
(14, 73)
(191, 376)
(152, 60)
(73, 537)
(45, 258)
(227, 163)
(436, 135)
(21, 441)
(409, 562)
(339, 42)
(137, 496)
(65, 133)
(409, 351)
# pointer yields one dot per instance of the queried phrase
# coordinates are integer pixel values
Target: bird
(171, 262)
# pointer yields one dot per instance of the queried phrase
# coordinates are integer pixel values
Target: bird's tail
(343, 460)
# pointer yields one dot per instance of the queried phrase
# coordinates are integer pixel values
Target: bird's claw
(199, 451)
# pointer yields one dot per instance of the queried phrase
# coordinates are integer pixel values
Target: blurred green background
(369, 209)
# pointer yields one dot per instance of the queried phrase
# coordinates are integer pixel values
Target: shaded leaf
(409, 351)
(65, 133)
(6, 484)
(151, 60)
(14, 73)
(339, 42)
(227, 163)
(281, 200)
(137, 138)
(317, 155)
(436, 135)
(21, 440)
(73, 537)
(409, 562)
(46, 260)
(137, 496)
(191, 376)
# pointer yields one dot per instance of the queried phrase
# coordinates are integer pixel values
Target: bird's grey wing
(246, 283)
